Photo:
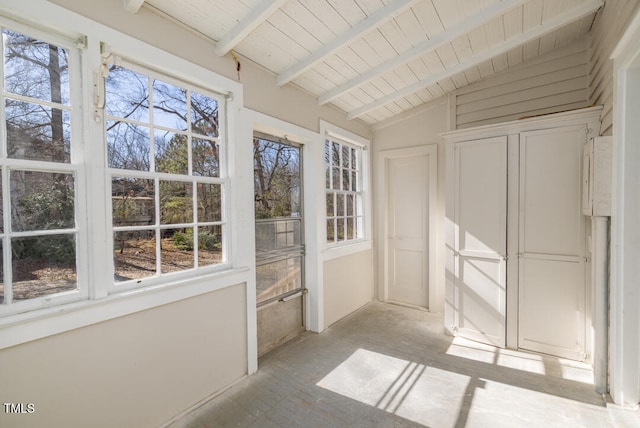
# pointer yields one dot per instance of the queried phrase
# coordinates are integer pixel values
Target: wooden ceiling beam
(423, 48)
(549, 26)
(370, 23)
(257, 16)
(132, 6)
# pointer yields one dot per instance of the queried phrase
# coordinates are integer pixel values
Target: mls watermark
(19, 408)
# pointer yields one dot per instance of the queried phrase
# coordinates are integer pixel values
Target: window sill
(28, 326)
(345, 249)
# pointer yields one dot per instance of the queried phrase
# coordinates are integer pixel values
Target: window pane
(209, 202)
(330, 204)
(205, 158)
(335, 154)
(35, 69)
(204, 115)
(176, 202)
(134, 254)
(209, 245)
(133, 201)
(37, 132)
(176, 249)
(340, 229)
(350, 228)
(346, 182)
(171, 152)
(354, 181)
(336, 178)
(169, 106)
(340, 205)
(43, 265)
(327, 163)
(41, 200)
(330, 230)
(354, 159)
(128, 146)
(350, 205)
(127, 94)
(346, 156)
(277, 278)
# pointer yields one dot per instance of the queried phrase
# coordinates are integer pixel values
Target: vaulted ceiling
(375, 59)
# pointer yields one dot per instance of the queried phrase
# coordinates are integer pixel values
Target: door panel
(279, 241)
(552, 286)
(550, 319)
(480, 239)
(408, 215)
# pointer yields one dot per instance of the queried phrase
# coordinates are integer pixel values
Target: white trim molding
(624, 318)
(435, 285)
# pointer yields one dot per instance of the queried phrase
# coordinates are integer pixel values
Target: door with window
(279, 240)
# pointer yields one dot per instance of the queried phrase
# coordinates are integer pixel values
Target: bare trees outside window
(38, 188)
(164, 154)
(343, 177)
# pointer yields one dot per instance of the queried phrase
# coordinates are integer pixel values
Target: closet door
(552, 286)
(480, 239)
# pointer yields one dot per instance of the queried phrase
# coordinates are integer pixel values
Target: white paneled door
(408, 230)
(552, 288)
(480, 239)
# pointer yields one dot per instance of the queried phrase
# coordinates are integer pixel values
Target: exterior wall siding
(553, 82)
(608, 27)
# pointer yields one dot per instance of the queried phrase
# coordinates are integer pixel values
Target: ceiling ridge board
(547, 27)
(428, 46)
(370, 23)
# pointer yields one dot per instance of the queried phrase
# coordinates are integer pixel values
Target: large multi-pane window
(164, 154)
(39, 174)
(343, 170)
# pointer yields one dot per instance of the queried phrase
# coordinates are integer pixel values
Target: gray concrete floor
(391, 366)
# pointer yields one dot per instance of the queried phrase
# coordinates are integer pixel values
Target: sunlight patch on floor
(407, 389)
(518, 360)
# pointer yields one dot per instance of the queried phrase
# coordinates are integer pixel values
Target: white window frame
(48, 21)
(75, 167)
(222, 180)
(349, 246)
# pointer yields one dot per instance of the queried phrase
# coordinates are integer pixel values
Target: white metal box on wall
(596, 190)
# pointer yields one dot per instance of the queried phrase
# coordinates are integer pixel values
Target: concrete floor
(391, 366)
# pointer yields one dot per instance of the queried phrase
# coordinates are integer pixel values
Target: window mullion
(6, 240)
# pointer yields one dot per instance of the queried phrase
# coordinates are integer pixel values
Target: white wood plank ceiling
(375, 59)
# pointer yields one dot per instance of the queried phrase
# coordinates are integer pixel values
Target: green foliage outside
(48, 209)
(206, 241)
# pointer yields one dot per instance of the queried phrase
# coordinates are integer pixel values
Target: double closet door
(516, 273)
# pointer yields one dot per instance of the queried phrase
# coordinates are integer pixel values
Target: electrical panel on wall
(596, 190)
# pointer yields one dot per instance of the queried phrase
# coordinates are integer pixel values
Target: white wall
(419, 128)
(347, 285)
(135, 371)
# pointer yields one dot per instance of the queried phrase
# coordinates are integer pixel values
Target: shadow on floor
(391, 366)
